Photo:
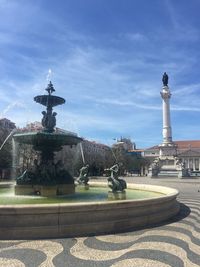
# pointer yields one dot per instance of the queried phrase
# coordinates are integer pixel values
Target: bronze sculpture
(165, 79)
(83, 176)
(114, 182)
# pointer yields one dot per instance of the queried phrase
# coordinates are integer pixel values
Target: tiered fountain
(62, 216)
(46, 178)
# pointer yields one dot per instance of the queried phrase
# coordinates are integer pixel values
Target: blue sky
(107, 58)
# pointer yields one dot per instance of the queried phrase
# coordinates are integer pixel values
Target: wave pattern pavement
(175, 243)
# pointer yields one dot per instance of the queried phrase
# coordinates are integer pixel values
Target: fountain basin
(53, 100)
(43, 139)
(82, 219)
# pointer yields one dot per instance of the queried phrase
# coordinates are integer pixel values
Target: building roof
(189, 153)
(188, 144)
(182, 145)
(136, 150)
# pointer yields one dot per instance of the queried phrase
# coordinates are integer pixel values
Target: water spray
(49, 75)
(113, 154)
(82, 154)
(10, 134)
(11, 106)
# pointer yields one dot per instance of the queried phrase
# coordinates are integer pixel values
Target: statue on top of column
(165, 79)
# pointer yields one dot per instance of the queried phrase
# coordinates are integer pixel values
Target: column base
(167, 150)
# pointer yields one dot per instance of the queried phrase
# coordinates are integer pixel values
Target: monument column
(167, 148)
(167, 131)
(168, 163)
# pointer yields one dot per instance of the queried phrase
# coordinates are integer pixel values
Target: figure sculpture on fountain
(49, 117)
(83, 176)
(114, 182)
(49, 120)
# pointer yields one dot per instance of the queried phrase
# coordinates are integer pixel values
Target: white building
(188, 151)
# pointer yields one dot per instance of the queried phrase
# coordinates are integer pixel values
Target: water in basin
(7, 196)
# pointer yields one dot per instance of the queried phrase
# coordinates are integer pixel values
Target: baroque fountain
(38, 215)
(46, 177)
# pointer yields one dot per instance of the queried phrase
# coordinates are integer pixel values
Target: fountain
(47, 204)
(46, 178)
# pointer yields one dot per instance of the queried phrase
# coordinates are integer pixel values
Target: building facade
(187, 151)
(6, 125)
(97, 156)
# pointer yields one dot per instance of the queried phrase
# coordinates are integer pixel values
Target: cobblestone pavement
(174, 243)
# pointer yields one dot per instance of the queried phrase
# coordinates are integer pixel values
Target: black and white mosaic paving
(175, 243)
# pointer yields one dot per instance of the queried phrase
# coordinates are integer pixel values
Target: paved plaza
(174, 243)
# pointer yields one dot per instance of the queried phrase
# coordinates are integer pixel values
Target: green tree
(131, 162)
(6, 156)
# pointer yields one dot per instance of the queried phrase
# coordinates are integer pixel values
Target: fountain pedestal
(83, 186)
(65, 189)
(45, 191)
(24, 190)
(48, 191)
(118, 195)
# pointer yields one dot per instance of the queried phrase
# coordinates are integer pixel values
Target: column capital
(165, 94)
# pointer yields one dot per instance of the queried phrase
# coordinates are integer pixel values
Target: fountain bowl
(52, 99)
(33, 221)
(43, 139)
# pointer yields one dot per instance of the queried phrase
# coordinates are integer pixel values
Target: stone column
(167, 148)
(167, 131)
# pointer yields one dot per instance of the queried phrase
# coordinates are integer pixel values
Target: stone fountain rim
(72, 220)
(167, 192)
(41, 132)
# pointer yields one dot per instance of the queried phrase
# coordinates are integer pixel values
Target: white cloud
(112, 89)
(118, 102)
(135, 37)
(182, 108)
